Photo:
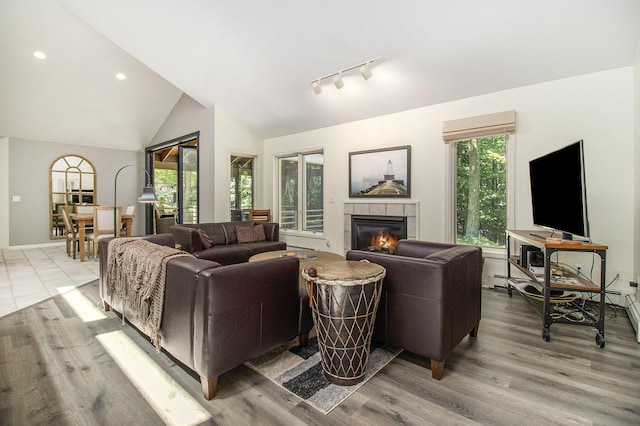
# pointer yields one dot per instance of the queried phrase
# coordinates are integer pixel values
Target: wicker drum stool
(344, 297)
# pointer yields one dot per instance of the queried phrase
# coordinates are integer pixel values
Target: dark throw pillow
(250, 234)
(207, 242)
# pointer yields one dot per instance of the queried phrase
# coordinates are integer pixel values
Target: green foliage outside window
(166, 182)
(481, 191)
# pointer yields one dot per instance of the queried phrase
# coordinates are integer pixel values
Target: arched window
(72, 181)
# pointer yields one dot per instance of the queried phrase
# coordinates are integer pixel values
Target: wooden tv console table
(515, 239)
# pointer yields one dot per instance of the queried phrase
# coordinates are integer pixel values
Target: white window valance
(499, 123)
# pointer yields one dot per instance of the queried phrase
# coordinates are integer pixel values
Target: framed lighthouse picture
(382, 173)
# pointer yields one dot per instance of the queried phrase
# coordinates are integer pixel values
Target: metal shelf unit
(538, 239)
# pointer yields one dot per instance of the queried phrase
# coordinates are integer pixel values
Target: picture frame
(380, 173)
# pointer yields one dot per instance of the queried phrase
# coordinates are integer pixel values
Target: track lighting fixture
(365, 72)
(317, 89)
(337, 80)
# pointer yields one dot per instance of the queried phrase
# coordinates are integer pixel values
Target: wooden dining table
(82, 220)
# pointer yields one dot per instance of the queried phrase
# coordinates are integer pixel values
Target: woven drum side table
(344, 297)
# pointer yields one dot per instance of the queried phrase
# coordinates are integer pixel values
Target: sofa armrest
(272, 231)
(103, 251)
(187, 237)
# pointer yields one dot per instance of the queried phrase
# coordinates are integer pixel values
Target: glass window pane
(288, 167)
(314, 192)
(481, 191)
(85, 167)
(166, 182)
(241, 190)
(60, 165)
(73, 181)
(87, 181)
(73, 160)
(58, 181)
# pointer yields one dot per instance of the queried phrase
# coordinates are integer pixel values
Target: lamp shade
(148, 195)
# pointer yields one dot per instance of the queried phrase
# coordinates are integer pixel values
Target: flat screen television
(558, 191)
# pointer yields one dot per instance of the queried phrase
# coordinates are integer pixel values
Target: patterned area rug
(299, 370)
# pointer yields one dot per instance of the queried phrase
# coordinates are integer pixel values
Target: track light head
(337, 80)
(317, 89)
(365, 72)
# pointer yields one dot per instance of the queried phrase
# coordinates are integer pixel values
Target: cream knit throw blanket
(136, 270)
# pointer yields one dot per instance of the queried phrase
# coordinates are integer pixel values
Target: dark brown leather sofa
(226, 250)
(217, 317)
(431, 297)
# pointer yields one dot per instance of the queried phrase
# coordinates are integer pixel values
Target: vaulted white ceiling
(256, 59)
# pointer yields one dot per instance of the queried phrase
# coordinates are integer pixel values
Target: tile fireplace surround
(381, 208)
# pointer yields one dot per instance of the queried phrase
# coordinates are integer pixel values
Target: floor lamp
(148, 194)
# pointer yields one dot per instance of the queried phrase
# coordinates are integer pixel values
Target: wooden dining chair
(128, 211)
(71, 233)
(103, 226)
(257, 215)
(85, 209)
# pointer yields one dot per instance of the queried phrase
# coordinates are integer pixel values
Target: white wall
(636, 180)
(28, 177)
(4, 192)
(596, 107)
(220, 136)
(187, 117)
(231, 137)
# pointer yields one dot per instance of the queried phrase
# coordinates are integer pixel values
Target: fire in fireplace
(377, 233)
(384, 241)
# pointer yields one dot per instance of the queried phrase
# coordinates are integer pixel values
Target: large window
(300, 195)
(241, 190)
(481, 191)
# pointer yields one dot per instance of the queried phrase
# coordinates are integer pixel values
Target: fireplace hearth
(377, 233)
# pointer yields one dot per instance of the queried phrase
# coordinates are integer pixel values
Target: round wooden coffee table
(303, 255)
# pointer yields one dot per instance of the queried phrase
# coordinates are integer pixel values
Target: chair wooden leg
(209, 387)
(437, 368)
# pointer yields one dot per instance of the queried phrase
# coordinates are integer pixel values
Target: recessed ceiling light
(39, 55)
(121, 76)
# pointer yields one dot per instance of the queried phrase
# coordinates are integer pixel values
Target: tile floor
(31, 274)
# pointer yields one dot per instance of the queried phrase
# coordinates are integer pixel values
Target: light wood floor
(53, 371)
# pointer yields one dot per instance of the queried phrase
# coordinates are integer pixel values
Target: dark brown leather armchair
(431, 297)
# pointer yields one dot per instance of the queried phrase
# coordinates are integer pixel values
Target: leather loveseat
(227, 243)
(216, 317)
(431, 297)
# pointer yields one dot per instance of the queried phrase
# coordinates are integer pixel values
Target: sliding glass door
(188, 182)
(174, 168)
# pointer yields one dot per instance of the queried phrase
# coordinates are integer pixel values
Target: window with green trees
(481, 216)
(300, 178)
(241, 190)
